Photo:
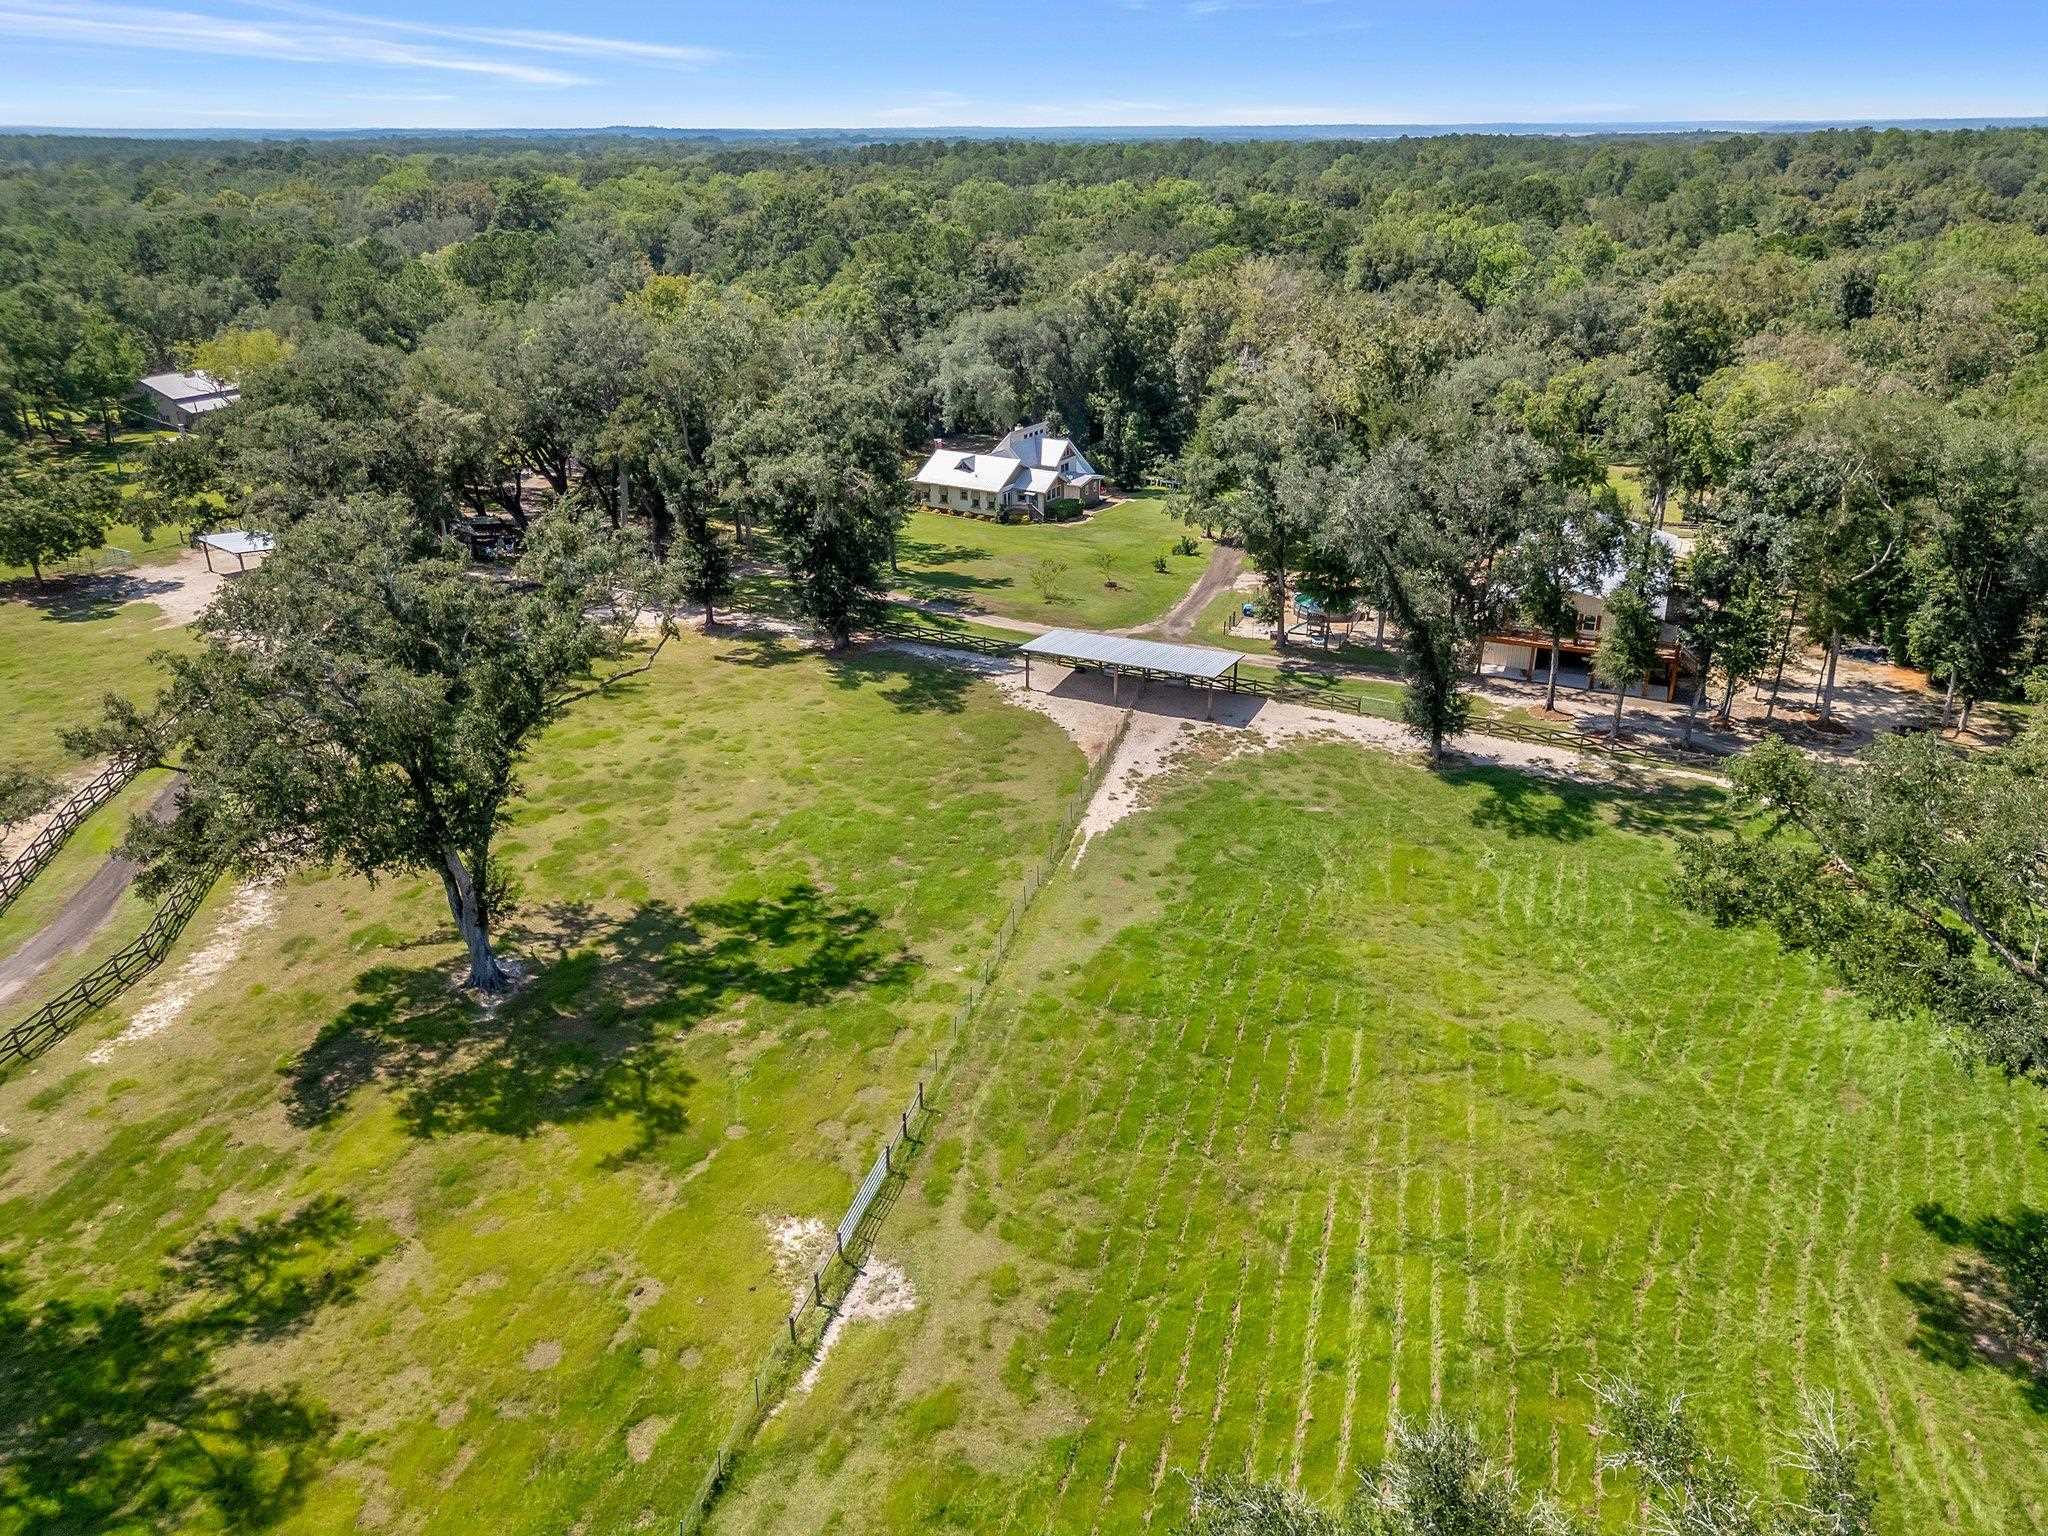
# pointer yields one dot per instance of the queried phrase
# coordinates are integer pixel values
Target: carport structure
(1196, 666)
(237, 542)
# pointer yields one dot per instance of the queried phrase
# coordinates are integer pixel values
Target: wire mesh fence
(109, 979)
(96, 792)
(794, 1347)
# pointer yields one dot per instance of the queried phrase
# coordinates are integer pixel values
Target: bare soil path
(82, 916)
(1226, 561)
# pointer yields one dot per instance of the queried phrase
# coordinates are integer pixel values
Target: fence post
(920, 1093)
(817, 1290)
(886, 1169)
(791, 1320)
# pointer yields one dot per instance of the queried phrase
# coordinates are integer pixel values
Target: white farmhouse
(1028, 470)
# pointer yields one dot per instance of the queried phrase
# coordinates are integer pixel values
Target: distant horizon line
(1574, 128)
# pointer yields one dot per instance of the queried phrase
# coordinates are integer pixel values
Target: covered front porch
(1525, 658)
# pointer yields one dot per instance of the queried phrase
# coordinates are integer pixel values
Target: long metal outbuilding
(1120, 656)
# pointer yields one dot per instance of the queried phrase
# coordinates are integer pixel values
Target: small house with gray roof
(179, 399)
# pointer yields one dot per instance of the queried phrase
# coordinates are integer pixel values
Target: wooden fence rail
(96, 792)
(959, 640)
(109, 979)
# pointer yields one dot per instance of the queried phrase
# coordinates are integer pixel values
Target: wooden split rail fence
(959, 640)
(109, 979)
(96, 792)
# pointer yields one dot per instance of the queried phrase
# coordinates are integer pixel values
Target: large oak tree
(365, 699)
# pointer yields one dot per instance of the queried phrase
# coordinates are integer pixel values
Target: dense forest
(1452, 380)
(1401, 370)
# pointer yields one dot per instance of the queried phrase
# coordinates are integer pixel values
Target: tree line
(1400, 374)
(1396, 371)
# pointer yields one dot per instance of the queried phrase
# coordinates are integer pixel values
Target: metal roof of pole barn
(237, 541)
(1120, 651)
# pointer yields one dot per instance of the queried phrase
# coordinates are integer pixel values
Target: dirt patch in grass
(644, 1436)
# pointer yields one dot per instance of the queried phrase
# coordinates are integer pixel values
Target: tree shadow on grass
(112, 1411)
(763, 647)
(930, 569)
(914, 684)
(85, 599)
(592, 1036)
(1520, 805)
(1991, 1309)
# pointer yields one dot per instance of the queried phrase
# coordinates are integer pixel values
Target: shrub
(1064, 510)
(1045, 579)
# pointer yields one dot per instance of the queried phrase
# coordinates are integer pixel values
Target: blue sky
(861, 63)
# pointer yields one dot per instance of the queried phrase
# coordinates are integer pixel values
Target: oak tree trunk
(1827, 686)
(465, 904)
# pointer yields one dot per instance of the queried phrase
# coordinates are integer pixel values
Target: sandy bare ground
(880, 1290)
(80, 917)
(252, 907)
(181, 587)
(1171, 724)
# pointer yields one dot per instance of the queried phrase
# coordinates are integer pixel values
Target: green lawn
(1328, 1089)
(386, 1259)
(990, 566)
(59, 652)
(1213, 627)
(122, 459)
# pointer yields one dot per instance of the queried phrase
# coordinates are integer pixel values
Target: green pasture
(993, 566)
(338, 1249)
(1327, 1090)
(60, 651)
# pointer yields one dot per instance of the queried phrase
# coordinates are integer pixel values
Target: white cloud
(318, 35)
(522, 38)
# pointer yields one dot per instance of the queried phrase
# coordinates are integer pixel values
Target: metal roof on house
(1620, 566)
(237, 541)
(969, 471)
(1122, 651)
(184, 387)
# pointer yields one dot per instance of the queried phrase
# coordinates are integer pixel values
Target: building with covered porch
(1521, 651)
(1018, 480)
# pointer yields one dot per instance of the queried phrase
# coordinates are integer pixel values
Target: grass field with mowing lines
(1326, 1089)
(507, 1268)
(989, 565)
